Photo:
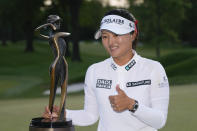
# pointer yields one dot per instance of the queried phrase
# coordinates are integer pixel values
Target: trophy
(58, 74)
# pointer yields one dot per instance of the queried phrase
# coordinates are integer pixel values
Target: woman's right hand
(47, 113)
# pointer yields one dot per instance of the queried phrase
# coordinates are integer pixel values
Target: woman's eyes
(104, 37)
(116, 35)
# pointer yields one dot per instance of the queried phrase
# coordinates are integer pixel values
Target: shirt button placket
(121, 78)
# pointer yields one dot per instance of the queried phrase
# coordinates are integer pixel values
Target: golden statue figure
(58, 70)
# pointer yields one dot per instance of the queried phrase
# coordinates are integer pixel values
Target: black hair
(127, 15)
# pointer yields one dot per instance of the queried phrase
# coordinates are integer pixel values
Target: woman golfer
(126, 92)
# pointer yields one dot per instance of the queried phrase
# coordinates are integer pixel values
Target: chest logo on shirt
(130, 65)
(138, 83)
(113, 66)
(102, 83)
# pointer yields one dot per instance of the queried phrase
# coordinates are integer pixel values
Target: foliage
(20, 17)
(91, 13)
(161, 20)
(164, 15)
(188, 30)
(7, 20)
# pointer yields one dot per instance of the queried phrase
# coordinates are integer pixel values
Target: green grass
(182, 109)
(26, 74)
(17, 113)
(180, 66)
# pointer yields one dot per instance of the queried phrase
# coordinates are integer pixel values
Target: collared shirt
(142, 79)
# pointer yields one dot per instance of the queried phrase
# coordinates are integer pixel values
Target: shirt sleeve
(89, 115)
(156, 115)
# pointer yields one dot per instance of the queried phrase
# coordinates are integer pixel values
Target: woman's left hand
(121, 101)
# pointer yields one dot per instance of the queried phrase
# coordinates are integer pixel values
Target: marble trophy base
(41, 124)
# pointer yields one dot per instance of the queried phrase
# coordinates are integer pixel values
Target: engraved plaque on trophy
(58, 74)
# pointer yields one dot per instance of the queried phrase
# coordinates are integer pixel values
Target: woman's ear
(133, 36)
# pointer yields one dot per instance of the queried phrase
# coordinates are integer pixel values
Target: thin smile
(113, 48)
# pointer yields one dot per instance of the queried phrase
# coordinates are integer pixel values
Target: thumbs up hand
(120, 91)
(121, 101)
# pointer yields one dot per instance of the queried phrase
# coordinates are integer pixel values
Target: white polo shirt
(142, 79)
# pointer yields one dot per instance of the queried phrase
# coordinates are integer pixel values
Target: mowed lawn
(16, 114)
(26, 75)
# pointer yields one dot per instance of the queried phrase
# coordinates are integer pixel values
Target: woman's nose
(111, 40)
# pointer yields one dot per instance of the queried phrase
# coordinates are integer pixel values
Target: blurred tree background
(168, 33)
(163, 25)
(160, 21)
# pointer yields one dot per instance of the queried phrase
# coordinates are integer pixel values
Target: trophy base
(41, 124)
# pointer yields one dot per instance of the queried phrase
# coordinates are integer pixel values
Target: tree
(189, 26)
(91, 13)
(5, 20)
(74, 6)
(161, 20)
(28, 14)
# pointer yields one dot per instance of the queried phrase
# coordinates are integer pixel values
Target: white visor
(115, 24)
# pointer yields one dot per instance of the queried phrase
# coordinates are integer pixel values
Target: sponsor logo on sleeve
(102, 83)
(138, 83)
(164, 83)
